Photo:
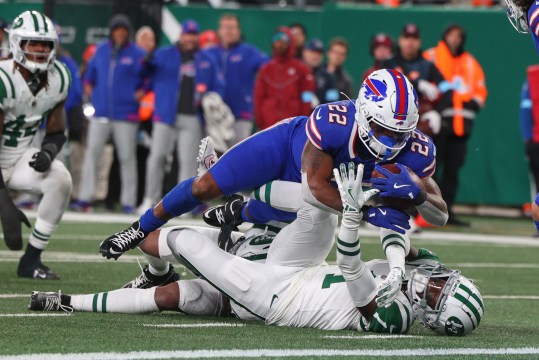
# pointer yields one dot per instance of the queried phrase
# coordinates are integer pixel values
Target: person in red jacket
(285, 85)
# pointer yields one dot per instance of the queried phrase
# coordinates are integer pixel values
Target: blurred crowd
(137, 113)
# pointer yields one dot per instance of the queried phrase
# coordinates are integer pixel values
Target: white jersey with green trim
(24, 112)
(318, 297)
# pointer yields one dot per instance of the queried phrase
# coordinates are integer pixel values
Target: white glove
(434, 119)
(389, 289)
(352, 195)
(429, 90)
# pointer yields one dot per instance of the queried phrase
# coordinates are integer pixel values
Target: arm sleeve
(90, 76)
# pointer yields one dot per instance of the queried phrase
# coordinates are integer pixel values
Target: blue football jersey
(533, 23)
(332, 129)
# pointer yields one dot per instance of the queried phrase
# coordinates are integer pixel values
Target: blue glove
(397, 185)
(387, 217)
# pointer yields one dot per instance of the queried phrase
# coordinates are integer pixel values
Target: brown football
(397, 203)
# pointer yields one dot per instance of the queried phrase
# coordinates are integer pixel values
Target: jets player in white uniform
(33, 89)
(309, 295)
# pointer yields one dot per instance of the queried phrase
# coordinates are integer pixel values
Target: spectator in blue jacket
(230, 70)
(175, 119)
(112, 79)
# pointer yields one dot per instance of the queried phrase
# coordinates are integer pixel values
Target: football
(397, 203)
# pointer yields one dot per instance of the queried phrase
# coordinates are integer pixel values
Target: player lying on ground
(33, 89)
(380, 127)
(306, 296)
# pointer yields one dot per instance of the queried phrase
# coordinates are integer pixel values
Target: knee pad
(197, 297)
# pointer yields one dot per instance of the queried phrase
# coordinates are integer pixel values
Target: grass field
(503, 263)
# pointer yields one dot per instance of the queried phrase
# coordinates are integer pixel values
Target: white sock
(282, 195)
(39, 238)
(157, 266)
(126, 301)
(394, 246)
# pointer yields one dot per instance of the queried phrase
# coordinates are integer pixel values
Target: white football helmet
(28, 26)
(517, 17)
(444, 300)
(386, 112)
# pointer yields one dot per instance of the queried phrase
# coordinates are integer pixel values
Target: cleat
(227, 214)
(148, 280)
(206, 155)
(114, 246)
(48, 301)
(36, 270)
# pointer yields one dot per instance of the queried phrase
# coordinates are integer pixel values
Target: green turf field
(506, 274)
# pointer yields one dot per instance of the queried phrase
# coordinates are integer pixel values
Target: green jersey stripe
(386, 245)
(104, 302)
(68, 74)
(345, 244)
(348, 253)
(3, 88)
(473, 295)
(257, 194)
(62, 80)
(391, 236)
(267, 193)
(36, 22)
(11, 86)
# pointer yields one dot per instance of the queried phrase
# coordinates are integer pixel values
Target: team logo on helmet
(375, 90)
(454, 327)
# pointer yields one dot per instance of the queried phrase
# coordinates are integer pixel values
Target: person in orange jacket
(465, 94)
(285, 85)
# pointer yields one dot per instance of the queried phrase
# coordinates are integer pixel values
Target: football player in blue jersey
(383, 119)
(524, 16)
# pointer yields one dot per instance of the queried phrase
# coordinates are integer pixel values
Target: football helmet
(32, 26)
(386, 112)
(444, 300)
(517, 17)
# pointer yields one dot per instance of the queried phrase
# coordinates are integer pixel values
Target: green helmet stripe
(36, 22)
(44, 22)
(62, 80)
(473, 295)
(470, 306)
(11, 86)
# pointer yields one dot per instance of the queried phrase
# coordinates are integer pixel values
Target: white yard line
(373, 337)
(35, 315)
(256, 353)
(511, 297)
(195, 325)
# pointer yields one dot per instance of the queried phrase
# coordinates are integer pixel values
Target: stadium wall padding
(495, 172)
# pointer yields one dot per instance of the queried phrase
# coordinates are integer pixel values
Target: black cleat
(227, 214)
(48, 301)
(148, 280)
(35, 270)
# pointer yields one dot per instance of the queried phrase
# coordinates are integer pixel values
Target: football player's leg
(306, 241)
(162, 136)
(282, 195)
(249, 284)
(125, 140)
(189, 135)
(248, 165)
(55, 186)
(98, 134)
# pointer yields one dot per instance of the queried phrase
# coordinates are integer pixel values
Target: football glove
(41, 161)
(428, 89)
(11, 219)
(388, 218)
(352, 195)
(397, 185)
(389, 289)
(114, 246)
